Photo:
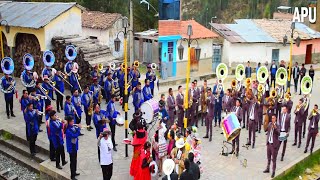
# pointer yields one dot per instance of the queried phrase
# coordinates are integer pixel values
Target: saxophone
(90, 110)
(99, 96)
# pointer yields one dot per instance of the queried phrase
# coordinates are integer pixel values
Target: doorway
(308, 54)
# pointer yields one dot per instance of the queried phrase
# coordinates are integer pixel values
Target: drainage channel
(11, 170)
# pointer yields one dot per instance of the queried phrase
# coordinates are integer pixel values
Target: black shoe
(252, 146)
(8, 116)
(40, 130)
(81, 134)
(59, 167)
(272, 175)
(294, 144)
(33, 154)
(221, 133)
(13, 115)
(231, 152)
(281, 158)
(259, 131)
(116, 144)
(53, 159)
(64, 163)
(305, 151)
(74, 178)
(210, 139)
(302, 135)
(90, 127)
(58, 111)
(206, 136)
(41, 122)
(299, 145)
(77, 174)
(248, 144)
(266, 171)
(115, 149)
(311, 151)
(243, 127)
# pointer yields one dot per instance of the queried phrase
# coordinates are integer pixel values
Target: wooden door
(308, 54)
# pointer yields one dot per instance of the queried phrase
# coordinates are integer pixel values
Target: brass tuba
(233, 84)
(306, 85)
(273, 94)
(262, 74)
(281, 76)
(100, 67)
(240, 69)
(28, 63)
(7, 66)
(222, 71)
(70, 52)
(136, 63)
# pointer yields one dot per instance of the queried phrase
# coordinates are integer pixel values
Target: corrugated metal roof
(32, 14)
(307, 31)
(250, 32)
(226, 33)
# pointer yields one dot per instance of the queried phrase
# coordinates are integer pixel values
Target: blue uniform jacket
(146, 93)
(95, 89)
(108, 88)
(218, 104)
(31, 118)
(59, 83)
(96, 119)
(75, 101)
(47, 72)
(5, 84)
(49, 89)
(56, 133)
(137, 99)
(26, 78)
(69, 109)
(72, 134)
(135, 78)
(73, 81)
(164, 114)
(85, 100)
(112, 112)
(151, 78)
(94, 74)
(41, 101)
(24, 102)
(120, 76)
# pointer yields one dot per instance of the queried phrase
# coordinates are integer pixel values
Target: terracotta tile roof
(173, 27)
(99, 20)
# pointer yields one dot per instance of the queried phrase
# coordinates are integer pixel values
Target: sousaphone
(281, 76)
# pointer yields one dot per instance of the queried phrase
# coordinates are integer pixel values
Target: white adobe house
(245, 41)
(104, 27)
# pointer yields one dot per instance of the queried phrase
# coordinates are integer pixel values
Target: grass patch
(143, 70)
(6, 135)
(299, 168)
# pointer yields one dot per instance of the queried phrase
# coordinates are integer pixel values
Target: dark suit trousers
(209, 126)
(9, 106)
(297, 131)
(171, 119)
(32, 143)
(284, 147)
(272, 152)
(73, 164)
(113, 131)
(245, 117)
(260, 116)
(191, 116)
(88, 117)
(217, 115)
(52, 151)
(252, 131)
(180, 118)
(107, 171)
(60, 153)
(59, 102)
(235, 144)
(197, 114)
(273, 79)
(311, 135)
(296, 85)
(304, 126)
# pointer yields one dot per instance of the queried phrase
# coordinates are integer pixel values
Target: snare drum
(149, 109)
(231, 127)
(283, 136)
(120, 120)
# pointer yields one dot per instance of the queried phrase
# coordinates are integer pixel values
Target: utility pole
(131, 36)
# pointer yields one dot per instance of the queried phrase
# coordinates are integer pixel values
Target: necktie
(271, 136)
(313, 120)
(172, 99)
(283, 122)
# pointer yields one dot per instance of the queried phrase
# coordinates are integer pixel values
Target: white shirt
(106, 147)
(252, 112)
(270, 140)
(283, 122)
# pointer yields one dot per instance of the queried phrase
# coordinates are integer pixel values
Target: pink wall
(301, 50)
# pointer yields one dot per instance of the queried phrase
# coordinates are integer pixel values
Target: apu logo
(305, 12)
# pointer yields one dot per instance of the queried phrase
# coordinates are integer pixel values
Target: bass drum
(149, 109)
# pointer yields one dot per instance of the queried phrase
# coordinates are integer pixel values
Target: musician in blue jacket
(27, 78)
(218, 103)
(86, 102)
(135, 74)
(137, 97)
(108, 87)
(41, 100)
(163, 112)
(129, 87)
(147, 95)
(120, 77)
(49, 89)
(60, 86)
(35, 100)
(95, 88)
(31, 118)
(112, 115)
(151, 75)
(8, 96)
(76, 101)
(56, 127)
(47, 71)
(73, 79)
(99, 120)
(69, 109)
(72, 141)
(94, 73)
(51, 147)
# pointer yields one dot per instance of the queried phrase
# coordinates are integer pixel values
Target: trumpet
(314, 112)
(273, 93)
(136, 64)
(298, 107)
(40, 113)
(233, 84)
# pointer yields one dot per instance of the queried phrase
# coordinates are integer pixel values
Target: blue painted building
(169, 9)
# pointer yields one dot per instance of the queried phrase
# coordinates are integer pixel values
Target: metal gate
(275, 55)
(216, 57)
(170, 59)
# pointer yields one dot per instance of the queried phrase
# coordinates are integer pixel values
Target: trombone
(63, 76)
(54, 88)
(45, 92)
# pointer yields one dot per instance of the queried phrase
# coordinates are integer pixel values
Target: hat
(153, 167)
(49, 108)
(106, 131)
(45, 77)
(168, 166)
(180, 143)
(95, 79)
(196, 136)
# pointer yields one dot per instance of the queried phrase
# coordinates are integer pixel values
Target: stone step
(24, 150)
(47, 171)
(25, 161)
(96, 49)
(97, 54)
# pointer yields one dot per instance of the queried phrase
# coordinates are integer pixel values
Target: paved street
(215, 166)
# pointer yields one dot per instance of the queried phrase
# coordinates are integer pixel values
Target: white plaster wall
(253, 52)
(205, 45)
(102, 35)
(69, 23)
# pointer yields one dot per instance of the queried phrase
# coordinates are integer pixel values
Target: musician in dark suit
(289, 103)
(198, 90)
(31, 118)
(227, 101)
(203, 101)
(49, 89)
(302, 73)
(245, 107)
(218, 103)
(272, 145)
(284, 125)
(305, 115)
(253, 120)
(260, 114)
(238, 112)
(76, 101)
(313, 128)
(8, 96)
(180, 106)
(295, 76)
(193, 96)
(298, 121)
(248, 70)
(210, 113)
(171, 104)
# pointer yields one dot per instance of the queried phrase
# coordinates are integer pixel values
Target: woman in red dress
(139, 138)
(143, 172)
